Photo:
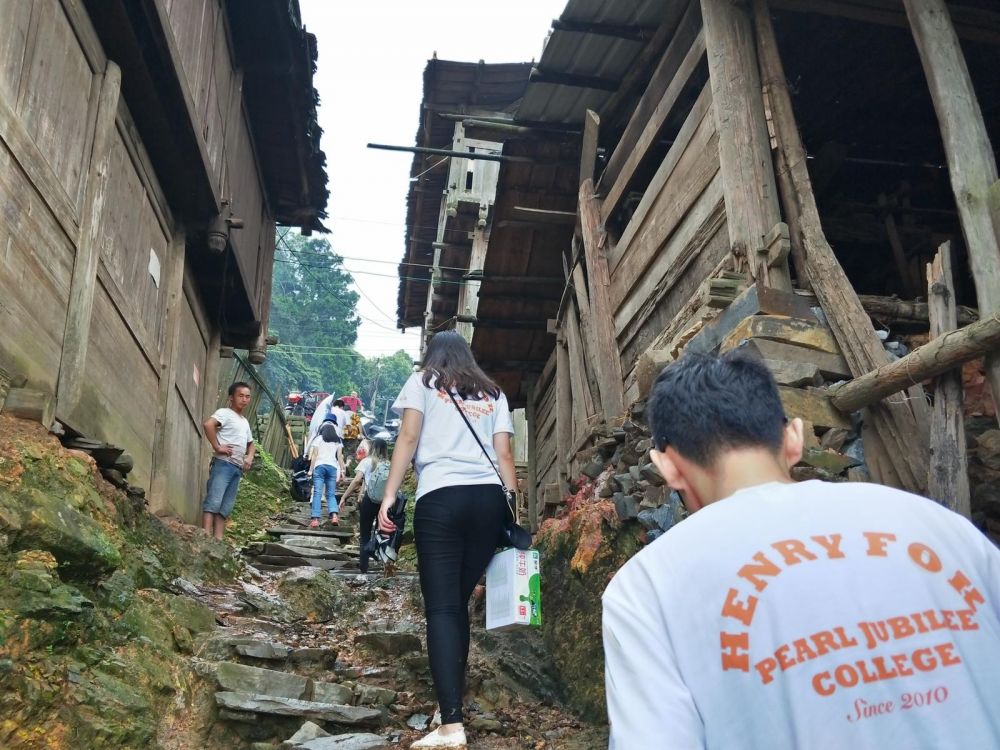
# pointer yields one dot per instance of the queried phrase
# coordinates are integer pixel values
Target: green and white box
(513, 590)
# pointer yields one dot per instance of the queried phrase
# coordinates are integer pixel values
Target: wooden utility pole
(903, 425)
(948, 477)
(971, 163)
(744, 145)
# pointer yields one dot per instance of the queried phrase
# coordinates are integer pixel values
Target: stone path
(312, 654)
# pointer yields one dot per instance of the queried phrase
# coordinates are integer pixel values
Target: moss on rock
(91, 645)
(264, 492)
(580, 554)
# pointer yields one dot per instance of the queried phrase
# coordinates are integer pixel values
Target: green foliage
(314, 314)
(264, 491)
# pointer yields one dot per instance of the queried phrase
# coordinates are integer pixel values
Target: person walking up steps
(326, 464)
(460, 508)
(370, 475)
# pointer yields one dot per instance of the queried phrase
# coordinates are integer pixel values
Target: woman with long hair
(372, 471)
(460, 507)
(326, 464)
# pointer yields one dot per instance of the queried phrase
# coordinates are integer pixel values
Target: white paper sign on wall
(154, 267)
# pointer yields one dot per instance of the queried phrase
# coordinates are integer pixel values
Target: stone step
(257, 703)
(294, 550)
(286, 561)
(354, 741)
(333, 534)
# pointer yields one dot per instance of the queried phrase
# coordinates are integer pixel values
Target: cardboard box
(513, 590)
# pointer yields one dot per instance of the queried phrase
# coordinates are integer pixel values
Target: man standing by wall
(232, 441)
(793, 615)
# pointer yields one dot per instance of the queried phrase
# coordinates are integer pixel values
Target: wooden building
(701, 174)
(147, 149)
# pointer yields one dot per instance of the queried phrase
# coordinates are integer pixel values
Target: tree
(314, 315)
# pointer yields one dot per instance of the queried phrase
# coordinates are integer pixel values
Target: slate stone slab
(372, 695)
(239, 678)
(270, 650)
(331, 692)
(308, 731)
(277, 706)
(347, 742)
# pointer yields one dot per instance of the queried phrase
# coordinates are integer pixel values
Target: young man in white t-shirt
(232, 441)
(783, 615)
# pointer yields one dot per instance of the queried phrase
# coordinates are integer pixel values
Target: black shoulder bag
(513, 534)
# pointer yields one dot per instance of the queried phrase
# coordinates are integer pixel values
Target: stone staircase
(296, 545)
(264, 687)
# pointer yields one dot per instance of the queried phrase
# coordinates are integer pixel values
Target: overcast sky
(372, 56)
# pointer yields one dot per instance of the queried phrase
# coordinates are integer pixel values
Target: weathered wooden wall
(97, 303)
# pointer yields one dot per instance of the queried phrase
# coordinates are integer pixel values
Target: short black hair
(339, 402)
(239, 384)
(703, 404)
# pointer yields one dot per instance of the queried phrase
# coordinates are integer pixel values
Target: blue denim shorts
(223, 481)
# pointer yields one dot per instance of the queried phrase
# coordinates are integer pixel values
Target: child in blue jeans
(326, 465)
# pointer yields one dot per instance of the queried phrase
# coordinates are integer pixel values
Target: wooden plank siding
(82, 209)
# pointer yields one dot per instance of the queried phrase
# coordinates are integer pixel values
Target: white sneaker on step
(436, 739)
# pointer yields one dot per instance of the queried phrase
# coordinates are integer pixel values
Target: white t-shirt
(341, 416)
(234, 431)
(326, 453)
(807, 615)
(447, 453)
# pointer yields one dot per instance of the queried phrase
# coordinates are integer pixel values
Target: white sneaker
(436, 739)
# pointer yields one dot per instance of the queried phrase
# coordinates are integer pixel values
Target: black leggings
(456, 530)
(369, 512)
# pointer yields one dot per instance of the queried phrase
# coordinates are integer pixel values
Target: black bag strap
(503, 485)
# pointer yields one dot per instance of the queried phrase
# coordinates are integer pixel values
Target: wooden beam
(531, 415)
(948, 475)
(666, 71)
(27, 403)
(971, 162)
(542, 216)
(972, 24)
(173, 289)
(587, 337)
(564, 410)
(588, 146)
(642, 134)
(468, 294)
(611, 381)
(618, 31)
(939, 355)
(88, 249)
(902, 425)
(744, 144)
(574, 81)
(889, 310)
(528, 324)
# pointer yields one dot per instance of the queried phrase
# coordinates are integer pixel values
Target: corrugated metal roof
(585, 54)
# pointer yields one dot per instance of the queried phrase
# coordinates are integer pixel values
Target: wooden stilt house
(706, 174)
(147, 150)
